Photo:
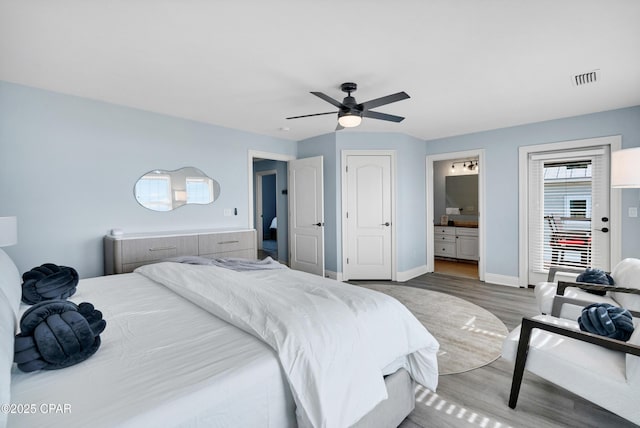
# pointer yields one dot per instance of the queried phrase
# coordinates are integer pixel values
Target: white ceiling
(468, 65)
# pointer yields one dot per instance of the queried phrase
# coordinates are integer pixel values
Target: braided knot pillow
(607, 320)
(56, 334)
(48, 282)
(595, 276)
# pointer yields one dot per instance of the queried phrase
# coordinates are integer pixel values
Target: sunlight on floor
(433, 400)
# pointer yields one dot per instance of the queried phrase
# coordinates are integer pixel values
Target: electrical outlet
(633, 211)
(227, 212)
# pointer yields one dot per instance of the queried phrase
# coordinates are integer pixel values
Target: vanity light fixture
(468, 165)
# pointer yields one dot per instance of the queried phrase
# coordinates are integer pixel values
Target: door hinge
(346, 168)
(347, 214)
(347, 260)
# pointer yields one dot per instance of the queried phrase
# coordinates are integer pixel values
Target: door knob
(386, 224)
(319, 224)
(605, 219)
(604, 229)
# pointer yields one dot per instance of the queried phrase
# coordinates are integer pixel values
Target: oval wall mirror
(161, 190)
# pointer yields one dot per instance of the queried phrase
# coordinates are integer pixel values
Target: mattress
(163, 362)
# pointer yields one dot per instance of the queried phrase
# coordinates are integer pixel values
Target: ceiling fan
(350, 113)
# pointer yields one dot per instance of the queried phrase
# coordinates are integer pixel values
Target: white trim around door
(481, 205)
(255, 154)
(394, 220)
(615, 210)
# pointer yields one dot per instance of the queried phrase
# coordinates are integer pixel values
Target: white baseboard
(333, 275)
(400, 276)
(494, 278)
(411, 273)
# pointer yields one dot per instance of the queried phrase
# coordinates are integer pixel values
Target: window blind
(564, 188)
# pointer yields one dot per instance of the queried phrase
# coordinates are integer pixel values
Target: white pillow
(10, 293)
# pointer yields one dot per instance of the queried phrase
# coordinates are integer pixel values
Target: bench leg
(521, 359)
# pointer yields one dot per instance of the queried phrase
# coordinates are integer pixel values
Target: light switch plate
(227, 212)
(633, 211)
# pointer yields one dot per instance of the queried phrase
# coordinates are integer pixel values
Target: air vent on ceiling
(588, 78)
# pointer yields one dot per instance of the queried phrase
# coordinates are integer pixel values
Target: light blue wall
(68, 166)
(410, 186)
(501, 167)
(410, 200)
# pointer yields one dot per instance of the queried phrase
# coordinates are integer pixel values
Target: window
(199, 190)
(154, 191)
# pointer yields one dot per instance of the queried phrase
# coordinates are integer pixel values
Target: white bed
(164, 361)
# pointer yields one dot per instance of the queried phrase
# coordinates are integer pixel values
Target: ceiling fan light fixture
(349, 120)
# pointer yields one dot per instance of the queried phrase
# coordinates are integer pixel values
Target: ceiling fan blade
(383, 100)
(309, 115)
(382, 116)
(329, 100)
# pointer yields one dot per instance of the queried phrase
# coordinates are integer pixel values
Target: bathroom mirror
(161, 190)
(462, 193)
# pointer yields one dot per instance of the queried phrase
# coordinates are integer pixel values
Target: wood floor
(478, 398)
(456, 268)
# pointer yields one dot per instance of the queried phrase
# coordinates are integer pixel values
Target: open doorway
(268, 182)
(455, 201)
(266, 217)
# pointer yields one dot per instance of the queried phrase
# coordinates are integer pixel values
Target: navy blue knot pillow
(607, 320)
(56, 334)
(595, 276)
(48, 282)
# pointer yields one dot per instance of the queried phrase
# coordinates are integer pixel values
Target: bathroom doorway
(455, 238)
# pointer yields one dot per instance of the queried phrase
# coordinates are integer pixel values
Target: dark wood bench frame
(528, 324)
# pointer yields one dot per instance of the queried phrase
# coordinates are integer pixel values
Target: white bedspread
(333, 340)
(163, 362)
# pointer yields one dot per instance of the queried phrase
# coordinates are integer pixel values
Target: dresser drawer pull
(162, 248)
(228, 242)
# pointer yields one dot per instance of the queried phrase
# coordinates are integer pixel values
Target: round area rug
(469, 336)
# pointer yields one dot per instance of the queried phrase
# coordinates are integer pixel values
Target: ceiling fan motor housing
(348, 87)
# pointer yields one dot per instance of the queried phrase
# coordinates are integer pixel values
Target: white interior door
(368, 217)
(306, 215)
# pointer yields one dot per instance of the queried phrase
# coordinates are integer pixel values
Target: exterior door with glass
(568, 210)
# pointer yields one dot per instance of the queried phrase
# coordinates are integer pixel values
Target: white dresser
(456, 242)
(124, 253)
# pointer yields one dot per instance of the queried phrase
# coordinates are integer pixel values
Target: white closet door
(369, 223)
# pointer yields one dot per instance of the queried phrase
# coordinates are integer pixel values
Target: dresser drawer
(466, 231)
(152, 249)
(444, 249)
(445, 230)
(226, 242)
(443, 238)
(243, 254)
